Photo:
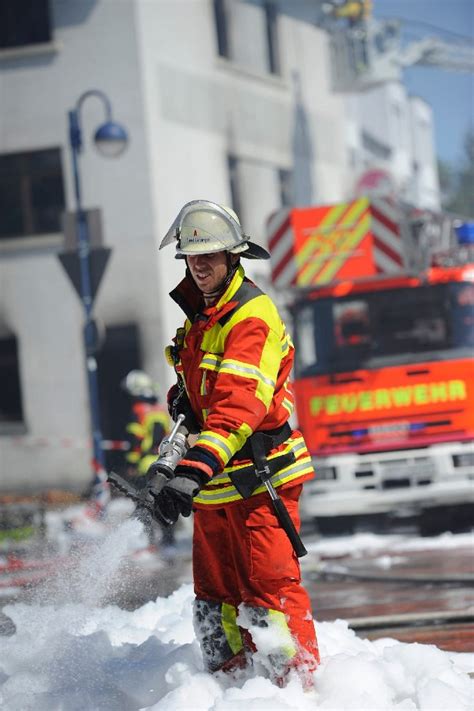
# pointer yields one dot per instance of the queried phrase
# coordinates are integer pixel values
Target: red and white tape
(67, 443)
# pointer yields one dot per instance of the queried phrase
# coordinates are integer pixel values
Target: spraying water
(93, 567)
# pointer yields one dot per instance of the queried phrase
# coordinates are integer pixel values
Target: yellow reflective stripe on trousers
(286, 645)
(231, 628)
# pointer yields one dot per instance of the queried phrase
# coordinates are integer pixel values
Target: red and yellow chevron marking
(329, 246)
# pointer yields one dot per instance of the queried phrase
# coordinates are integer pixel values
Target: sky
(70, 653)
(451, 94)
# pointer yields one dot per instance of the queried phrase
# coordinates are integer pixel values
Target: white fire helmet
(203, 227)
(139, 384)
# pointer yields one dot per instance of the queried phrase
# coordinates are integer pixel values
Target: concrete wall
(186, 110)
(96, 48)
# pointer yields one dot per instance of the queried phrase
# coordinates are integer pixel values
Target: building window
(11, 409)
(271, 23)
(247, 33)
(374, 146)
(24, 22)
(234, 182)
(220, 14)
(285, 178)
(31, 193)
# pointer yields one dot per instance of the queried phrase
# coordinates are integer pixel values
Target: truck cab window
(375, 329)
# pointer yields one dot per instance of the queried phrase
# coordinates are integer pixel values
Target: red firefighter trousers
(241, 555)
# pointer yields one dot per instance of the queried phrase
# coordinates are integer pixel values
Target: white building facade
(229, 101)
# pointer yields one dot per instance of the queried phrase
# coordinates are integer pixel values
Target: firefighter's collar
(189, 298)
(231, 290)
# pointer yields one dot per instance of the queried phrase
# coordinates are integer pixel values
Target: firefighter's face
(208, 270)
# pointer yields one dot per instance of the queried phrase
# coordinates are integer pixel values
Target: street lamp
(111, 140)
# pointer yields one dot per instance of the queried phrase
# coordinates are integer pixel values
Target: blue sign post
(111, 140)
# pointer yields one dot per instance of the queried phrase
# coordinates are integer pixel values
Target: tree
(457, 186)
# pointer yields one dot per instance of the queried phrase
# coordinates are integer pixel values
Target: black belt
(246, 480)
(271, 439)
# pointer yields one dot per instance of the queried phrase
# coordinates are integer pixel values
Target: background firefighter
(149, 423)
(233, 359)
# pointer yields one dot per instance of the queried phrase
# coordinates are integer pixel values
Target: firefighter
(149, 423)
(354, 11)
(233, 359)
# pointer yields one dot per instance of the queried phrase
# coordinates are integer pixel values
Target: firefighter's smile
(206, 281)
(202, 276)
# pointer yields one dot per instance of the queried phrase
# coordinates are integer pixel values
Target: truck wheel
(433, 522)
(335, 525)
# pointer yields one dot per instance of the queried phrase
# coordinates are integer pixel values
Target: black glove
(174, 499)
(178, 404)
(191, 474)
(156, 478)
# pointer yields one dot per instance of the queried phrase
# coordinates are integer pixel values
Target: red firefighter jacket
(235, 360)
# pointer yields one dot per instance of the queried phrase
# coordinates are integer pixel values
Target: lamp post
(111, 140)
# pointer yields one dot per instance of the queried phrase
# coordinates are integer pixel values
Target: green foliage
(457, 185)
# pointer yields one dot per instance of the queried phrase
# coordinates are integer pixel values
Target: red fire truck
(382, 304)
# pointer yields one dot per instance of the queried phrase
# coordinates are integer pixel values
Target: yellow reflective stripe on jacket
(297, 446)
(261, 307)
(135, 428)
(249, 371)
(210, 361)
(286, 344)
(288, 405)
(266, 372)
(149, 421)
(225, 447)
(145, 463)
(269, 365)
(203, 388)
(227, 494)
